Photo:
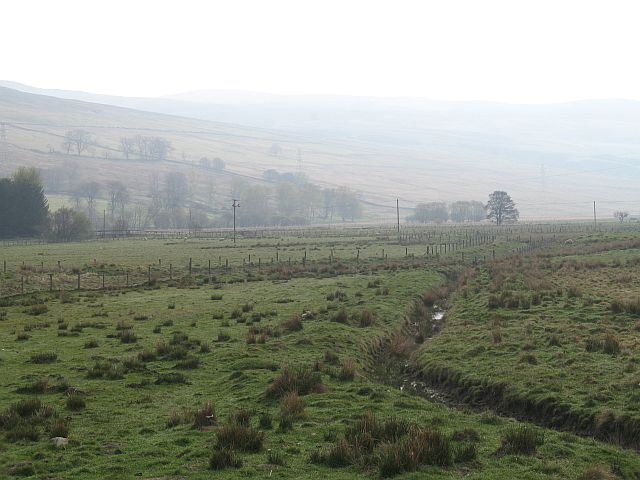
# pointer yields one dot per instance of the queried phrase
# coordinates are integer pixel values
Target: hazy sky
(512, 51)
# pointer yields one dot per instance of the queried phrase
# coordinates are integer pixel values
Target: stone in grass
(59, 442)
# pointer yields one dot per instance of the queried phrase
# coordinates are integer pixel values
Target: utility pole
(398, 216)
(104, 223)
(236, 204)
(595, 220)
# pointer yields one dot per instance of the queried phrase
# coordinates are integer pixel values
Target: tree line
(284, 199)
(175, 200)
(151, 148)
(499, 209)
(24, 211)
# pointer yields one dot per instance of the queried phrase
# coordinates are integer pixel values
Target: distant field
(175, 378)
(257, 251)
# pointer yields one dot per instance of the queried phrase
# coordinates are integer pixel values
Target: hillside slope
(554, 159)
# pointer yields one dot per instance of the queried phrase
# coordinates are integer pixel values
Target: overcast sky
(512, 51)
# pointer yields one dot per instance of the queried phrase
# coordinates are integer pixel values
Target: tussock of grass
(107, 369)
(366, 318)
(44, 357)
(224, 458)
(205, 416)
(265, 421)
(341, 316)
(520, 440)
(75, 402)
(294, 324)
(597, 472)
(292, 406)
(347, 370)
(393, 446)
(275, 458)
(234, 436)
(301, 380)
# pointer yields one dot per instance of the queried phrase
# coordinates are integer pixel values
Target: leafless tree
(90, 191)
(620, 215)
(118, 196)
(176, 189)
(77, 139)
(142, 146)
(159, 148)
(155, 191)
(127, 146)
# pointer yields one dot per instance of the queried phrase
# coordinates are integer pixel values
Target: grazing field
(275, 370)
(36, 267)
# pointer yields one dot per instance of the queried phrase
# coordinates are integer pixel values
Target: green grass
(193, 393)
(542, 331)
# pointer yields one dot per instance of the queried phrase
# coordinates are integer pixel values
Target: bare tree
(138, 217)
(90, 191)
(142, 146)
(118, 196)
(155, 191)
(218, 164)
(620, 215)
(67, 144)
(127, 146)
(77, 139)
(159, 148)
(176, 189)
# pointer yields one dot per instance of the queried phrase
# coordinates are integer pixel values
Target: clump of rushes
(302, 380)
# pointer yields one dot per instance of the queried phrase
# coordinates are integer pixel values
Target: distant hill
(554, 159)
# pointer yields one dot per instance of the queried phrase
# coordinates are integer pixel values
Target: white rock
(60, 441)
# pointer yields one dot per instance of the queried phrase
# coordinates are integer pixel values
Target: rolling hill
(555, 160)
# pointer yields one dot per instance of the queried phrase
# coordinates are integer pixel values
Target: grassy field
(272, 372)
(553, 335)
(262, 254)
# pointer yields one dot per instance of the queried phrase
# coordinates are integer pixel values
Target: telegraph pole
(398, 216)
(595, 220)
(236, 204)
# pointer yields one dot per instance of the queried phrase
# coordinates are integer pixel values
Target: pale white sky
(502, 50)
